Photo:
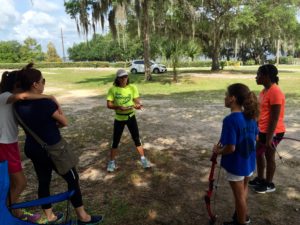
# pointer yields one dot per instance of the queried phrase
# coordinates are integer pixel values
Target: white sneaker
(145, 163)
(111, 166)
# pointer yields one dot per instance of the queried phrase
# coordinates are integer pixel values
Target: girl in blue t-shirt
(237, 145)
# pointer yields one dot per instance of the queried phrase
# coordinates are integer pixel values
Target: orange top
(272, 96)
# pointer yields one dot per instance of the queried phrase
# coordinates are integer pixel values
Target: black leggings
(133, 129)
(43, 167)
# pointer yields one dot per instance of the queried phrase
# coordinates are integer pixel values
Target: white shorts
(233, 177)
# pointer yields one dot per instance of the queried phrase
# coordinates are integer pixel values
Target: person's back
(37, 115)
(8, 129)
(243, 131)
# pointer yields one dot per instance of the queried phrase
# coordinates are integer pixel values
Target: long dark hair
(245, 98)
(29, 75)
(8, 81)
(271, 71)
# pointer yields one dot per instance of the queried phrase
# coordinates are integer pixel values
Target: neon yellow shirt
(123, 96)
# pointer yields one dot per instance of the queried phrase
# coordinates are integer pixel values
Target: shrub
(249, 62)
(189, 64)
(233, 63)
(286, 60)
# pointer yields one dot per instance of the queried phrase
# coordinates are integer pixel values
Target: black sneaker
(256, 182)
(265, 188)
(94, 220)
(234, 218)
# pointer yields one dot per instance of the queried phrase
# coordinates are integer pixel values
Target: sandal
(60, 216)
(30, 217)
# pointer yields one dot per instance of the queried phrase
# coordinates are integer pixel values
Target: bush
(286, 60)
(95, 64)
(233, 63)
(189, 64)
(249, 62)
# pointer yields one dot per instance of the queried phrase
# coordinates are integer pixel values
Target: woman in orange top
(271, 127)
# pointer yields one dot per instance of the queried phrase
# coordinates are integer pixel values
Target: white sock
(143, 157)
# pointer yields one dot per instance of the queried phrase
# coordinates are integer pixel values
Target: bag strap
(25, 127)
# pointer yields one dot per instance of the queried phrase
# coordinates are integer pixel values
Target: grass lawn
(162, 83)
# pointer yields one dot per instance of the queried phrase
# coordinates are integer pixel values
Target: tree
(271, 27)
(173, 50)
(80, 10)
(105, 48)
(10, 51)
(51, 55)
(215, 25)
(192, 49)
(31, 51)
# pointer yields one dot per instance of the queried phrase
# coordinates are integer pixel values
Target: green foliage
(51, 55)
(13, 51)
(10, 51)
(105, 48)
(232, 63)
(31, 51)
(249, 62)
(263, 23)
(287, 60)
(183, 64)
(94, 64)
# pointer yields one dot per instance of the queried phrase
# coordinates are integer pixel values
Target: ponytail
(28, 66)
(8, 81)
(29, 75)
(251, 106)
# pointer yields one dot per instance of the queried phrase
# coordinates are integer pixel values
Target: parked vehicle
(138, 66)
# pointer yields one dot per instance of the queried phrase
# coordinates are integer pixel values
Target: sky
(38, 19)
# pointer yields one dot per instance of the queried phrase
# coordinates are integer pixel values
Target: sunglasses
(43, 81)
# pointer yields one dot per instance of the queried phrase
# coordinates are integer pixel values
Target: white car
(137, 66)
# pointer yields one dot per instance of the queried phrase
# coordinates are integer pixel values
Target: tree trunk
(278, 52)
(235, 49)
(215, 66)
(146, 40)
(174, 65)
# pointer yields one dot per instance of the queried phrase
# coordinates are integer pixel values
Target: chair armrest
(42, 201)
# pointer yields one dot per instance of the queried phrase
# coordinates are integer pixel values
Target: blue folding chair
(6, 218)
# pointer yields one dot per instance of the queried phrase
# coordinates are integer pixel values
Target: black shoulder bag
(60, 153)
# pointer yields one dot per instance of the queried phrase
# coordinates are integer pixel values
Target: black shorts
(276, 139)
(261, 145)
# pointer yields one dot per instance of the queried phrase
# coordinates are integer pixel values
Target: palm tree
(88, 13)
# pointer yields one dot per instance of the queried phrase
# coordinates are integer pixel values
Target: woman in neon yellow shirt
(124, 99)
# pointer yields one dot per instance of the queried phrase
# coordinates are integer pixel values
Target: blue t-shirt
(37, 115)
(241, 132)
